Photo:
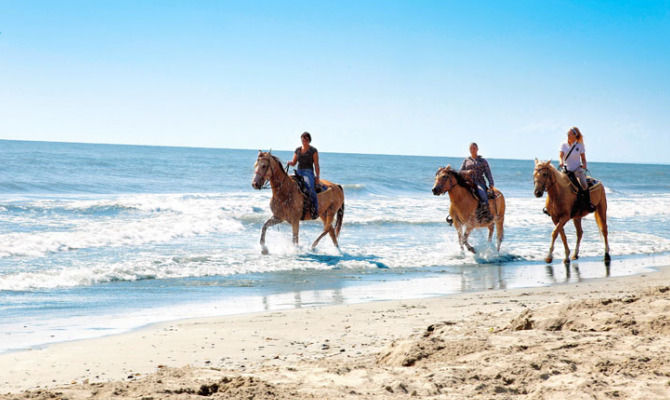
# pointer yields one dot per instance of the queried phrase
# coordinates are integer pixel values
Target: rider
(479, 167)
(571, 154)
(307, 158)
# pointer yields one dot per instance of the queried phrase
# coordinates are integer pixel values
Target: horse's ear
(270, 151)
(536, 161)
(259, 152)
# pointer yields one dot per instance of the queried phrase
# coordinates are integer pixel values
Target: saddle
(467, 178)
(581, 204)
(591, 182)
(308, 209)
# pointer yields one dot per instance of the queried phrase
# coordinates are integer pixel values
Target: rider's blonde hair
(578, 134)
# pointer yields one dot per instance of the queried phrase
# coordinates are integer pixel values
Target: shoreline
(310, 342)
(326, 289)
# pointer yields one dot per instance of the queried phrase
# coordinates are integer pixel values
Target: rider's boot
(587, 201)
(483, 213)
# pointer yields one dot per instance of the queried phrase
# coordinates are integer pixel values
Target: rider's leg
(308, 174)
(581, 177)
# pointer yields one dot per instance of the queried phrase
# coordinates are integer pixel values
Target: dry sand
(600, 339)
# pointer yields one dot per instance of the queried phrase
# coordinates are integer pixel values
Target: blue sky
(410, 77)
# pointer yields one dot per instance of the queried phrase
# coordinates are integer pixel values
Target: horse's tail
(340, 215)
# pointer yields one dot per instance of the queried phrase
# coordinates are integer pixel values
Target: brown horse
(560, 200)
(287, 200)
(464, 206)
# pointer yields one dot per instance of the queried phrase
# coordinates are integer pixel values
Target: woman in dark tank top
(307, 158)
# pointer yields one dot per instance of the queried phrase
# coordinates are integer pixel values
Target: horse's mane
(277, 160)
(459, 177)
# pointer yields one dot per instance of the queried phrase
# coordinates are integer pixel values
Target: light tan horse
(464, 206)
(287, 200)
(560, 199)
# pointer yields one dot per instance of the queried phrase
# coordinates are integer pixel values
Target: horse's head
(262, 170)
(542, 176)
(445, 179)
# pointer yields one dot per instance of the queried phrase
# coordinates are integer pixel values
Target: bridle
(268, 172)
(548, 182)
(449, 176)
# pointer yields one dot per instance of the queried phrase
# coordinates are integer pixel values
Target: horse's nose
(435, 191)
(538, 193)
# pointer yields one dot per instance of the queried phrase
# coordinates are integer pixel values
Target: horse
(288, 200)
(464, 206)
(561, 198)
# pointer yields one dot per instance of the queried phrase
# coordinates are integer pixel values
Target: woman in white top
(572, 158)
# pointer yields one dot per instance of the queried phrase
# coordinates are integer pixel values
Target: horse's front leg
(270, 222)
(558, 228)
(296, 229)
(490, 232)
(459, 231)
(465, 239)
(564, 238)
(580, 232)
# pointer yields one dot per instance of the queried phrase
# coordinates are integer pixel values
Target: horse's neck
(462, 199)
(560, 187)
(282, 184)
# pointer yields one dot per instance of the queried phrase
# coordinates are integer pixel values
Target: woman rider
(307, 158)
(478, 167)
(573, 158)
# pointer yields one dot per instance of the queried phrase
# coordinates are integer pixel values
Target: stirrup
(544, 210)
(450, 220)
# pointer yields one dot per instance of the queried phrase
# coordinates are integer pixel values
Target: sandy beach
(599, 339)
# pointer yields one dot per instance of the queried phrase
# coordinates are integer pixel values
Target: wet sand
(605, 338)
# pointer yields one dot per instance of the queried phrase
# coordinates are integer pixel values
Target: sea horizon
(464, 155)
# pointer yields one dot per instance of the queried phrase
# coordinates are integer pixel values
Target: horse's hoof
(575, 257)
(607, 259)
(471, 250)
(265, 251)
(566, 261)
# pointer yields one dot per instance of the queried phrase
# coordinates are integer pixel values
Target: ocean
(102, 239)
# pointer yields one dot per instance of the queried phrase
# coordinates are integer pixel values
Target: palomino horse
(464, 206)
(560, 200)
(287, 200)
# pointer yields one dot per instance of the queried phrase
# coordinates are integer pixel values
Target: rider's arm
(487, 172)
(295, 159)
(560, 158)
(317, 170)
(584, 160)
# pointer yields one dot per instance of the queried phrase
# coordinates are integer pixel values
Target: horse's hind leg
(319, 238)
(500, 232)
(270, 222)
(490, 232)
(580, 233)
(601, 220)
(327, 228)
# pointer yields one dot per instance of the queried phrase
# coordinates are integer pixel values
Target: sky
(386, 77)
